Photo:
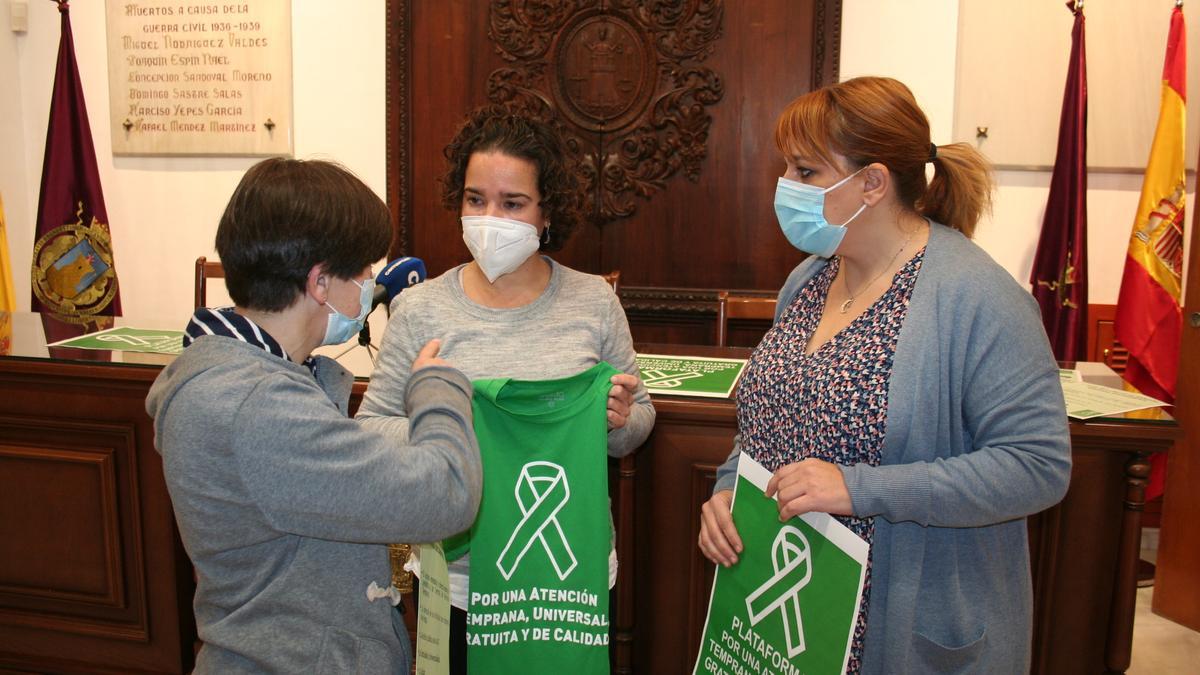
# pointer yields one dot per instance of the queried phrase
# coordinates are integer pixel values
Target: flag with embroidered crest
(73, 275)
(1060, 278)
(1149, 318)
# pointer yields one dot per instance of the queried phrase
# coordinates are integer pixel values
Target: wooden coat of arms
(624, 81)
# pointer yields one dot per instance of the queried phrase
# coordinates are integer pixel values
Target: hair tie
(932, 152)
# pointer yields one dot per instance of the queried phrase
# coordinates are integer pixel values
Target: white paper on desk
(1086, 400)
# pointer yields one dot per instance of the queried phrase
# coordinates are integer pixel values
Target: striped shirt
(225, 322)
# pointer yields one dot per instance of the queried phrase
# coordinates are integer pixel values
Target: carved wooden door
(1177, 581)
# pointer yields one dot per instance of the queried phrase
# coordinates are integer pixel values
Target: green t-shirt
(539, 546)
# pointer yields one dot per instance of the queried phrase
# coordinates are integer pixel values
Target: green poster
(127, 339)
(790, 603)
(689, 375)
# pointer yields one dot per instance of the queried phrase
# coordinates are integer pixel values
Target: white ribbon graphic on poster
(541, 492)
(792, 560)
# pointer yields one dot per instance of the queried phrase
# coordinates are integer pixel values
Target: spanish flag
(1149, 319)
(8, 297)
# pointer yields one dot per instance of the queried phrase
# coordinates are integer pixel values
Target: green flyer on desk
(127, 339)
(690, 375)
(790, 603)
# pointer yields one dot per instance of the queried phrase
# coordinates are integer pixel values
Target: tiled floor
(1160, 646)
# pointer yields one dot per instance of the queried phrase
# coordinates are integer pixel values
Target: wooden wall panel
(92, 575)
(65, 511)
(50, 483)
(687, 240)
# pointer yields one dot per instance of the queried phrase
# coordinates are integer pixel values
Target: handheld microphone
(396, 276)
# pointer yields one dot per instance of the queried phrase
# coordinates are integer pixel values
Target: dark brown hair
(287, 215)
(877, 119)
(495, 129)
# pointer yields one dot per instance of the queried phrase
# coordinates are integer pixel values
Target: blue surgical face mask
(339, 327)
(801, 212)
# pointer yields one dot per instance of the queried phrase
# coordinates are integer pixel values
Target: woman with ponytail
(906, 387)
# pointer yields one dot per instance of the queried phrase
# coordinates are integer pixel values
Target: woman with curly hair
(511, 312)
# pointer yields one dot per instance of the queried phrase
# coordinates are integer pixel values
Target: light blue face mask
(339, 327)
(801, 212)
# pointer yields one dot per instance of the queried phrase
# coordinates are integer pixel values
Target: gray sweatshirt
(284, 504)
(576, 322)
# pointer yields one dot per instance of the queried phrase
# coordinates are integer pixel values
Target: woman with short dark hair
(276, 492)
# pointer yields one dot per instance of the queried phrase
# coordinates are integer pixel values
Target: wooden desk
(93, 577)
(92, 574)
(1083, 551)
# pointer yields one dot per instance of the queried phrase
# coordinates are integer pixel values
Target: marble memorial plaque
(200, 78)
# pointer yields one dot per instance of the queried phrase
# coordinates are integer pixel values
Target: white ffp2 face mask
(499, 245)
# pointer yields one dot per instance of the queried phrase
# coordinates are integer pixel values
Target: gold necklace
(846, 281)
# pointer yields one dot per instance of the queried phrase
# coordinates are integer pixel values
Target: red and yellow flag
(1149, 318)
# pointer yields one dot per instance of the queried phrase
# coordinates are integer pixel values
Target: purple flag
(73, 275)
(1059, 274)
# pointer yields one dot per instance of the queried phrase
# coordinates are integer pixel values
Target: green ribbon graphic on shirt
(792, 559)
(541, 492)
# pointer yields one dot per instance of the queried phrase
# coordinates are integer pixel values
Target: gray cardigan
(976, 440)
(284, 504)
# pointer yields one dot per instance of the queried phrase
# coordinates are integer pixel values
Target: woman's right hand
(428, 356)
(719, 540)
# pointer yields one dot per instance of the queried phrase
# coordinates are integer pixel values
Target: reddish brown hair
(876, 119)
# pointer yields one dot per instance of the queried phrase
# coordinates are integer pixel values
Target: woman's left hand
(810, 485)
(620, 399)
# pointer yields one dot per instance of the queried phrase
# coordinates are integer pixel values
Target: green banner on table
(127, 339)
(790, 603)
(689, 375)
